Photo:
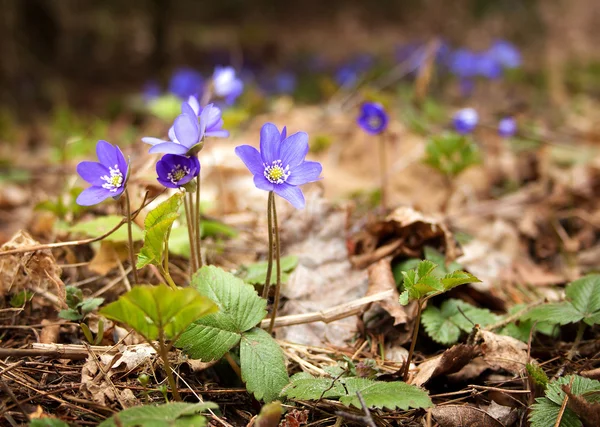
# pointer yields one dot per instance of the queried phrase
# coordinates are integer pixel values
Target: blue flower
(487, 66)
(108, 176)
(373, 118)
(506, 54)
(465, 120)
(285, 82)
(175, 171)
(280, 166)
(226, 84)
(346, 76)
(507, 127)
(463, 63)
(186, 82)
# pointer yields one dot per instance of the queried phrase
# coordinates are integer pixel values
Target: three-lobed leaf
(240, 309)
(263, 365)
(157, 225)
(148, 309)
(176, 414)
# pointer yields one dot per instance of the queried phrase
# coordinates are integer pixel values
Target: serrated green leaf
(559, 313)
(263, 365)
(585, 297)
(425, 267)
(379, 394)
(522, 328)
(103, 224)
(146, 309)
(157, 225)
(579, 386)
(240, 309)
(457, 278)
(544, 413)
(177, 414)
(441, 329)
(256, 274)
(70, 314)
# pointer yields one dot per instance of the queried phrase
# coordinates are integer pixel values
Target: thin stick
(278, 266)
(10, 394)
(233, 365)
(266, 289)
(164, 355)
(130, 238)
(198, 223)
(413, 341)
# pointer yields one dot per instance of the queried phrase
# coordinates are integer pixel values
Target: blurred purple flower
(465, 120)
(210, 118)
(506, 54)
(186, 82)
(463, 63)
(226, 84)
(373, 118)
(285, 82)
(346, 76)
(487, 66)
(108, 176)
(507, 127)
(175, 171)
(466, 86)
(280, 166)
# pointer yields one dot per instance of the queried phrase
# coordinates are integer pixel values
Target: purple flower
(507, 127)
(226, 84)
(108, 176)
(463, 63)
(346, 76)
(285, 82)
(465, 120)
(488, 66)
(186, 82)
(505, 53)
(210, 118)
(175, 171)
(280, 164)
(373, 118)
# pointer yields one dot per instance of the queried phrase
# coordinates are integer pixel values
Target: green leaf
(423, 281)
(89, 305)
(147, 309)
(74, 296)
(240, 309)
(444, 325)
(47, 422)
(20, 298)
(559, 313)
(263, 365)
(585, 297)
(377, 394)
(256, 274)
(451, 153)
(522, 328)
(579, 386)
(544, 413)
(165, 107)
(103, 224)
(176, 414)
(457, 278)
(70, 314)
(157, 226)
(215, 229)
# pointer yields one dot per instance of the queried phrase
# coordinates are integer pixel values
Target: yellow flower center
(178, 173)
(114, 181)
(276, 173)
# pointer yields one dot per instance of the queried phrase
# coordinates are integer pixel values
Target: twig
(9, 392)
(366, 419)
(563, 407)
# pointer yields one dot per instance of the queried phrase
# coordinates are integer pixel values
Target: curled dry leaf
(381, 279)
(588, 412)
(463, 416)
(29, 270)
(503, 352)
(404, 232)
(450, 361)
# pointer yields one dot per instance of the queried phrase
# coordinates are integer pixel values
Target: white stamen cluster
(178, 173)
(114, 181)
(276, 173)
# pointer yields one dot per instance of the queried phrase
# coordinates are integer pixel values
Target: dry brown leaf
(463, 416)
(503, 352)
(592, 373)
(108, 256)
(31, 269)
(50, 331)
(449, 362)
(381, 279)
(588, 412)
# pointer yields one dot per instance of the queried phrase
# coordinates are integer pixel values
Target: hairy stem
(198, 224)
(130, 238)
(190, 228)
(164, 355)
(267, 287)
(233, 365)
(278, 264)
(413, 341)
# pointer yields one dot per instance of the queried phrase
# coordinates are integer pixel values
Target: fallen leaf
(50, 331)
(503, 352)
(588, 412)
(463, 416)
(108, 256)
(381, 279)
(449, 362)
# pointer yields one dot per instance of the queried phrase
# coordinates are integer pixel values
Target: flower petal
(152, 141)
(284, 133)
(187, 109)
(107, 153)
(251, 158)
(269, 143)
(263, 183)
(93, 195)
(193, 102)
(294, 149)
(186, 129)
(92, 171)
(212, 115)
(167, 183)
(218, 133)
(171, 134)
(122, 162)
(168, 147)
(305, 172)
(291, 194)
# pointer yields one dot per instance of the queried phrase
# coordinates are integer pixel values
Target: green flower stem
(190, 228)
(278, 263)
(413, 340)
(198, 224)
(383, 170)
(164, 355)
(165, 268)
(233, 365)
(267, 287)
(136, 279)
